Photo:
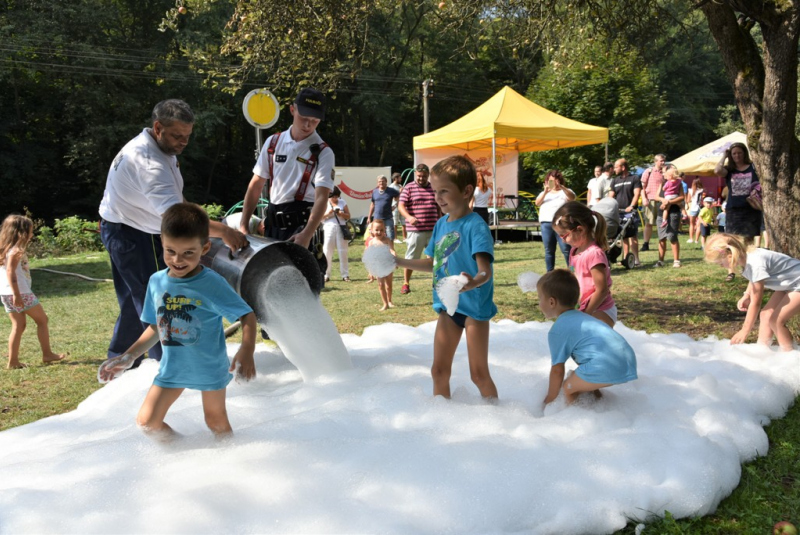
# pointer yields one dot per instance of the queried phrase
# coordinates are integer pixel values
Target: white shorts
(417, 242)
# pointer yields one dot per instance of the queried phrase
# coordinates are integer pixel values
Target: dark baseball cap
(422, 168)
(310, 103)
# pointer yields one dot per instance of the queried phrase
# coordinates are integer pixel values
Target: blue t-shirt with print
(188, 314)
(453, 247)
(383, 202)
(602, 354)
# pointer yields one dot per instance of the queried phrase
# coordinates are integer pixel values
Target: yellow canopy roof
(516, 123)
(702, 161)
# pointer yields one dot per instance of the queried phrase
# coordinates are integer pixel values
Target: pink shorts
(28, 301)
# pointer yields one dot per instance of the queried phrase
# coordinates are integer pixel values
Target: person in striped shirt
(418, 206)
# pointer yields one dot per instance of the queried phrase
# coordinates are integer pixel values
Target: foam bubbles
(379, 260)
(449, 289)
(527, 281)
(296, 320)
(371, 451)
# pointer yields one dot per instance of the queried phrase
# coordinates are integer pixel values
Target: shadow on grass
(56, 284)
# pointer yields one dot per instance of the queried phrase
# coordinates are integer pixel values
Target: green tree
(599, 86)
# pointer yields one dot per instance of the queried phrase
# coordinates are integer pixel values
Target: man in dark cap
(418, 206)
(297, 168)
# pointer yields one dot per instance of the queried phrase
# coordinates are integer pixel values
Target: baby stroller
(616, 225)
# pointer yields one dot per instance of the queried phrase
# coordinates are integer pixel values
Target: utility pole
(427, 92)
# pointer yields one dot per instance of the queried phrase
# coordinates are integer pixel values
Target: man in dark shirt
(626, 188)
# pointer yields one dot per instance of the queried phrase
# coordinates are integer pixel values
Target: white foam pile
(370, 451)
(448, 290)
(527, 281)
(379, 260)
(296, 320)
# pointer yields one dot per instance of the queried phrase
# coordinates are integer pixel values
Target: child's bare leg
(574, 385)
(215, 412)
(767, 319)
(18, 323)
(788, 308)
(445, 342)
(382, 288)
(389, 281)
(478, 354)
(40, 317)
(154, 409)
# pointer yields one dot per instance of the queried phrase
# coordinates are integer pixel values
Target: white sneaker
(398, 241)
(689, 241)
(676, 264)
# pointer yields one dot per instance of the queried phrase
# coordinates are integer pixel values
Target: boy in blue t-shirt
(461, 244)
(604, 357)
(184, 307)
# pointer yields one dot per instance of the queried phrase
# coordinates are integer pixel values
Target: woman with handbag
(334, 223)
(741, 217)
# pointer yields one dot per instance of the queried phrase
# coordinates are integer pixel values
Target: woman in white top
(336, 214)
(555, 194)
(480, 200)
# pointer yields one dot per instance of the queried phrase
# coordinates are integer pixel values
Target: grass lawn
(692, 300)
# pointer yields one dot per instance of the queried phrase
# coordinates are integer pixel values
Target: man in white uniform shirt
(298, 168)
(143, 181)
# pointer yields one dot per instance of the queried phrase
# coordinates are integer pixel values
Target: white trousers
(335, 240)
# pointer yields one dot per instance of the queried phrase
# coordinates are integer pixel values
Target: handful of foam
(114, 367)
(379, 260)
(448, 290)
(527, 281)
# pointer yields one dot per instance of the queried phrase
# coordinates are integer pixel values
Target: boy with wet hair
(604, 357)
(184, 307)
(461, 244)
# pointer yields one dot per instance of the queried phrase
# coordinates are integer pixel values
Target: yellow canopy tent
(510, 122)
(701, 161)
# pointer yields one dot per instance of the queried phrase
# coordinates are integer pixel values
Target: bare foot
(391, 305)
(16, 365)
(384, 307)
(370, 280)
(54, 357)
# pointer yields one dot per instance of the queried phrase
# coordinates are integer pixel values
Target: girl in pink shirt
(585, 231)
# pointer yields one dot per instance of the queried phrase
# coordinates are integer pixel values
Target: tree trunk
(766, 94)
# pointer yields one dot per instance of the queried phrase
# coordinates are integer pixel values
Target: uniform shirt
(420, 202)
(778, 272)
(624, 189)
(289, 163)
(602, 354)
(453, 247)
(383, 202)
(142, 183)
(188, 313)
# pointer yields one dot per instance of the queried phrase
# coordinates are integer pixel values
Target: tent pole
(606, 160)
(494, 182)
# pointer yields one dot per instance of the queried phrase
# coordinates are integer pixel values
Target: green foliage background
(79, 78)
